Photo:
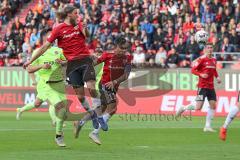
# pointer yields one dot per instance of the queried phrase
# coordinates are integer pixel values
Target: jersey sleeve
(102, 58)
(129, 59)
(54, 35)
(196, 66)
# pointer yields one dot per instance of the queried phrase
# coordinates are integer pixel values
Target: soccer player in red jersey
(70, 36)
(205, 68)
(116, 69)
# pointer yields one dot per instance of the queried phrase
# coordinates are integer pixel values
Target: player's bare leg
(95, 97)
(81, 97)
(230, 117)
(78, 125)
(28, 107)
(53, 116)
(59, 139)
(63, 113)
(209, 117)
(189, 107)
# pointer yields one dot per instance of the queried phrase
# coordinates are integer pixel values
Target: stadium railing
(228, 53)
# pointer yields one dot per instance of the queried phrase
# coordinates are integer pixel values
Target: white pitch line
(143, 147)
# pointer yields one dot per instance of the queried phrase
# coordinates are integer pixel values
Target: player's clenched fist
(26, 64)
(219, 80)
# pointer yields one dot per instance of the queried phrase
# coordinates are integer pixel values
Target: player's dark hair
(62, 14)
(122, 43)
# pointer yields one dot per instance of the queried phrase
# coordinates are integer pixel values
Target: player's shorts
(205, 92)
(53, 92)
(80, 71)
(107, 96)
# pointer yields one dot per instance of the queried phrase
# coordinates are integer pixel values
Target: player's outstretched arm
(121, 79)
(62, 62)
(39, 52)
(85, 30)
(32, 69)
(126, 74)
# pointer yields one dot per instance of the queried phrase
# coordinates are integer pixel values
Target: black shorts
(204, 92)
(107, 96)
(80, 71)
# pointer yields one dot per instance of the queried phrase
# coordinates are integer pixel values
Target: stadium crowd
(161, 32)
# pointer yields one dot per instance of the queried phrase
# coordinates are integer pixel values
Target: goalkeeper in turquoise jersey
(51, 87)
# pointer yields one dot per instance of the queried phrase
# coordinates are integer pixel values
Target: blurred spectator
(225, 47)
(193, 49)
(17, 25)
(179, 35)
(26, 45)
(43, 26)
(207, 14)
(215, 6)
(105, 36)
(181, 49)
(34, 37)
(168, 40)
(11, 49)
(159, 36)
(226, 17)
(3, 46)
(234, 39)
(216, 45)
(161, 57)
(95, 18)
(8, 36)
(29, 17)
(150, 57)
(138, 57)
(172, 59)
(237, 14)
(223, 33)
(5, 11)
(188, 25)
(172, 8)
(26, 54)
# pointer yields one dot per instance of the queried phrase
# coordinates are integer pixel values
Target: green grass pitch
(135, 138)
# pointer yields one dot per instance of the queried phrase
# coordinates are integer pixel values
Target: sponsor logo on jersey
(71, 35)
(210, 67)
